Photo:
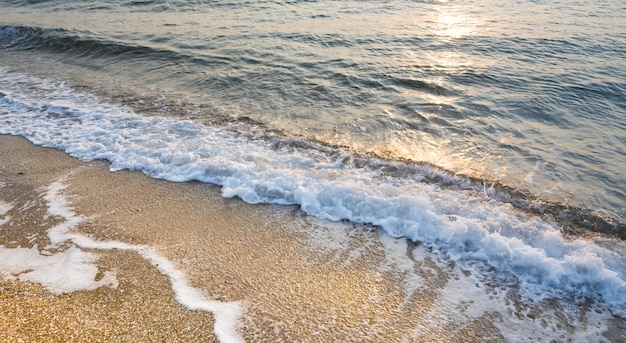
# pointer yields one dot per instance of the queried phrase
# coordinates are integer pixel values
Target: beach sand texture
(292, 277)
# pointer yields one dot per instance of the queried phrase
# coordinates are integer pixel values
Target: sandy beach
(293, 277)
(140, 308)
(234, 251)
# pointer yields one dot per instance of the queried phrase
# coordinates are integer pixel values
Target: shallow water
(526, 93)
(293, 277)
(492, 135)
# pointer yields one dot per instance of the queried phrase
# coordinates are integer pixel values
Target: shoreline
(138, 306)
(296, 278)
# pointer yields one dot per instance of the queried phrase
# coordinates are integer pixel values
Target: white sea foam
(226, 314)
(67, 271)
(4, 209)
(480, 234)
(463, 299)
(74, 269)
(396, 253)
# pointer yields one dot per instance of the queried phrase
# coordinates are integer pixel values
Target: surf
(464, 222)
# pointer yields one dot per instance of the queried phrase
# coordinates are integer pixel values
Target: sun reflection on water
(454, 22)
(453, 26)
(440, 141)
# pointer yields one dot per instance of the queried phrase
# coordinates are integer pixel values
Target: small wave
(59, 40)
(86, 45)
(422, 86)
(477, 226)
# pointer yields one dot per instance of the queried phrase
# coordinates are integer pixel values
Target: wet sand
(296, 278)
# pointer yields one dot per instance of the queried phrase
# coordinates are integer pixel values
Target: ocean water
(526, 94)
(493, 133)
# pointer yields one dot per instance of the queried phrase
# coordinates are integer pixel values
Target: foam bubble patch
(63, 272)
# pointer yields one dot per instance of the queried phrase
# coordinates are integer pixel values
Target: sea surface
(491, 132)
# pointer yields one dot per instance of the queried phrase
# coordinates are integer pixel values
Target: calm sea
(530, 94)
(486, 130)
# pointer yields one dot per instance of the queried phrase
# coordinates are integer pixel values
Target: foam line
(226, 314)
(74, 269)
